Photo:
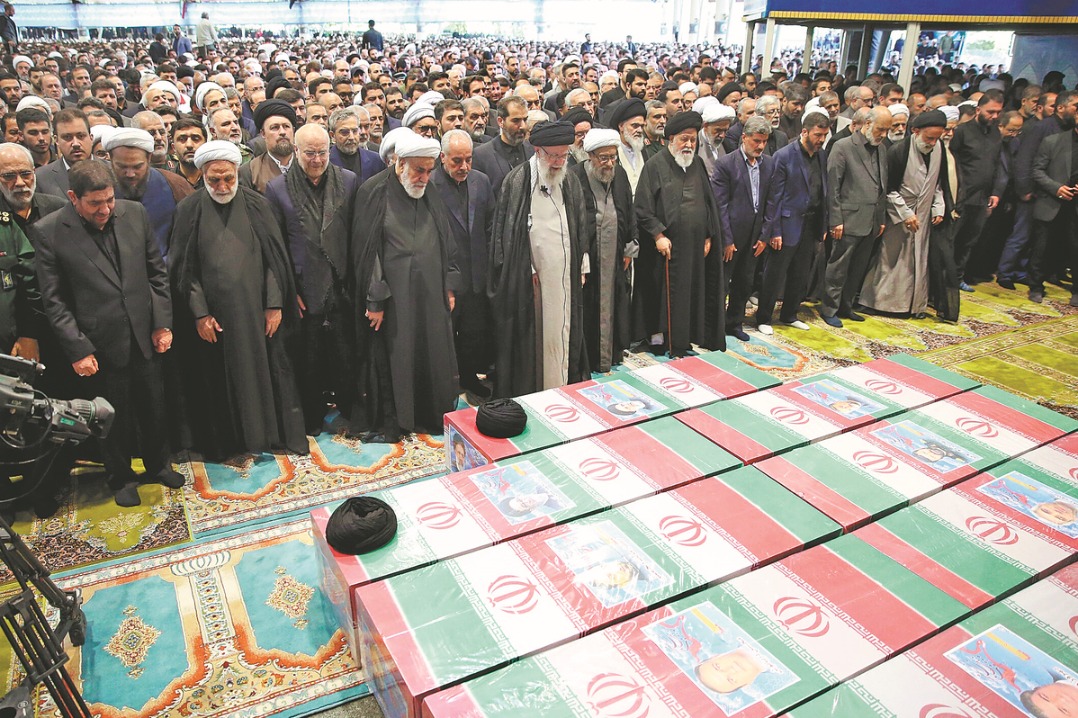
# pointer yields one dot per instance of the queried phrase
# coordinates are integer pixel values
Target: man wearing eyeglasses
(539, 259)
(276, 120)
(313, 207)
(18, 187)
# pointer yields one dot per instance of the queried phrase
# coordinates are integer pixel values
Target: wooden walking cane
(669, 322)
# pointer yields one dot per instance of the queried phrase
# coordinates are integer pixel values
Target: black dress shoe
(127, 496)
(1005, 283)
(738, 333)
(657, 349)
(852, 316)
(46, 506)
(168, 477)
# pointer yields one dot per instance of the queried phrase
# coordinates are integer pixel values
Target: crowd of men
(225, 240)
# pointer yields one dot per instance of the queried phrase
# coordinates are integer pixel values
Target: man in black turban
(537, 268)
(276, 120)
(678, 296)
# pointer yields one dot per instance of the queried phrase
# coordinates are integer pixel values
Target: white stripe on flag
(1053, 460)
(904, 688)
(438, 517)
(825, 636)
(600, 472)
(888, 387)
(1051, 607)
(1004, 537)
(884, 468)
(680, 387)
(982, 430)
(779, 410)
(561, 415)
(514, 599)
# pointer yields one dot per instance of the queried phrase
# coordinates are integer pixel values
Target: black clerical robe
(230, 262)
(680, 205)
(513, 293)
(404, 266)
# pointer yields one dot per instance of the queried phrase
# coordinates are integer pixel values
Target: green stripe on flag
(846, 700)
(772, 498)
(752, 375)
(945, 375)
(857, 486)
(920, 595)
(1029, 408)
(537, 434)
(527, 687)
(960, 554)
(764, 430)
(691, 446)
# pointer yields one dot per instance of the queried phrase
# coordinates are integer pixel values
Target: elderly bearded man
(313, 207)
(538, 247)
(406, 275)
(612, 238)
(230, 266)
(679, 281)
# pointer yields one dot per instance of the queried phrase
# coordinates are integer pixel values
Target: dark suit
(469, 226)
(52, 178)
(365, 166)
(743, 225)
(1055, 219)
(490, 159)
(857, 184)
(787, 270)
(107, 301)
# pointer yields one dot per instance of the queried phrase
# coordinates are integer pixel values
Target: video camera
(25, 410)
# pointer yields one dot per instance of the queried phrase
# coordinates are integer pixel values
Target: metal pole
(770, 31)
(750, 49)
(909, 53)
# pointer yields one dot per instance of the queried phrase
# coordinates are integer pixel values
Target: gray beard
(17, 201)
(604, 175)
(225, 199)
(551, 179)
(923, 148)
(636, 143)
(412, 189)
(684, 159)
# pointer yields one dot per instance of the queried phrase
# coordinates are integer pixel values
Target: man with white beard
(612, 238)
(538, 259)
(231, 270)
(857, 190)
(628, 117)
(20, 195)
(900, 117)
(717, 120)
(679, 286)
(405, 273)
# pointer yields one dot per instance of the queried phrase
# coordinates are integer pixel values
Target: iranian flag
(426, 629)
(905, 380)
(1024, 649)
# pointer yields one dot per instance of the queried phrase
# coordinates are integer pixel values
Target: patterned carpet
(232, 627)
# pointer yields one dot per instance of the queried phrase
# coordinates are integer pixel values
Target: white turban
(388, 145)
(128, 137)
(950, 112)
(968, 103)
(414, 145)
(101, 133)
(716, 112)
(817, 110)
(21, 58)
(253, 66)
(598, 138)
(204, 89)
(165, 86)
(416, 113)
(282, 57)
(609, 73)
(898, 109)
(701, 103)
(686, 87)
(430, 98)
(217, 150)
(35, 102)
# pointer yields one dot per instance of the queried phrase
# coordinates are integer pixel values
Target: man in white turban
(418, 112)
(900, 118)
(717, 119)
(234, 283)
(161, 93)
(612, 238)
(406, 276)
(208, 97)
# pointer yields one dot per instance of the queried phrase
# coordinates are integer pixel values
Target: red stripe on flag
(923, 383)
(867, 602)
(1009, 417)
(729, 438)
(658, 463)
(380, 615)
(711, 376)
(836, 506)
(766, 538)
(494, 449)
(939, 576)
(453, 702)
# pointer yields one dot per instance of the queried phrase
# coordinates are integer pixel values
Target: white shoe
(798, 324)
(753, 301)
(765, 329)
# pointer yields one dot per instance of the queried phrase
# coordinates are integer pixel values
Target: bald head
(17, 159)
(312, 151)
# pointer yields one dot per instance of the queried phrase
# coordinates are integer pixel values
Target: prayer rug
(230, 627)
(1037, 362)
(253, 489)
(89, 527)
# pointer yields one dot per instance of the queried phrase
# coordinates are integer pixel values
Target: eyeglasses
(425, 129)
(559, 156)
(605, 159)
(9, 177)
(314, 154)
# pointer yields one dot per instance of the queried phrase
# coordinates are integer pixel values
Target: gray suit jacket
(857, 188)
(52, 179)
(1051, 168)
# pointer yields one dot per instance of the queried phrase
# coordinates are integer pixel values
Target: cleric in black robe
(538, 243)
(406, 273)
(678, 226)
(237, 285)
(611, 225)
(313, 205)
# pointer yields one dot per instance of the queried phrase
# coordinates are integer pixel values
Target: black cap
(503, 418)
(361, 525)
(683, 121)
(274, 108)
(552, 134)
(625, 110)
